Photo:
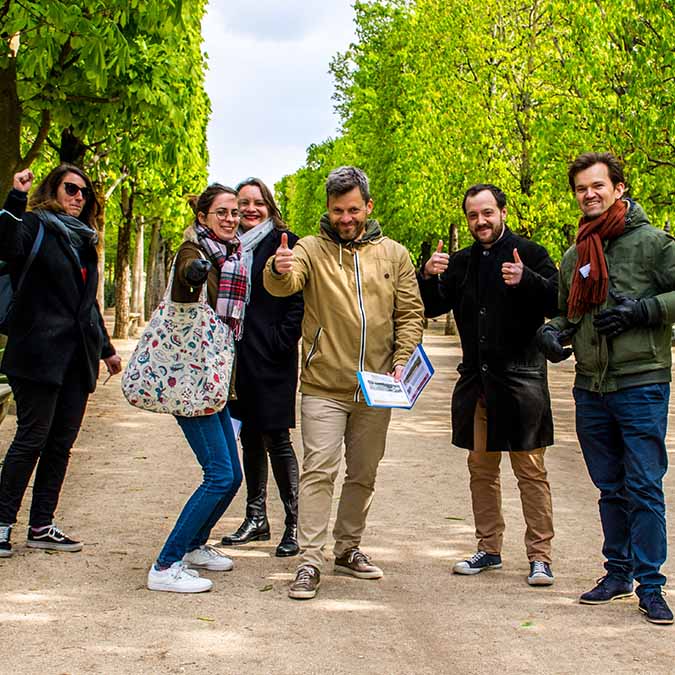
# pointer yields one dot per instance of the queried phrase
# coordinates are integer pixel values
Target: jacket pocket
(314, 348)
(630, 351)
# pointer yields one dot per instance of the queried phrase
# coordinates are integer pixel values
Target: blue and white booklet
(382, 391)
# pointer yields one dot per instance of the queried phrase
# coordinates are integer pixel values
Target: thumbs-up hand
(283, 258)
(512, 273)
(438, 262)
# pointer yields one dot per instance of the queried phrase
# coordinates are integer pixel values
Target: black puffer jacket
(56, 318)
(497, 324)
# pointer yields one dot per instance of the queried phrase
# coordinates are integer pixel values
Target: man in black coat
(500, 289)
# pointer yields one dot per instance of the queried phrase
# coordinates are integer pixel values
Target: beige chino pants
(326, 424)
(486, 497)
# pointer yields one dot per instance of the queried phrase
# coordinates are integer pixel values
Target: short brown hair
(589, 159)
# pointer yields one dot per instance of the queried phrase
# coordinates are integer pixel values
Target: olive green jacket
(362, 309)
(641, 264)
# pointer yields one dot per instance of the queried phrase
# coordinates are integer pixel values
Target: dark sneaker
(478, 562)
(655, 608)
(52, 539)
(357, 564)
(607, 589)
(306, 583)
(5, 546)
(540, 574)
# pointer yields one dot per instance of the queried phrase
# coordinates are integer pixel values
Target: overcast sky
(268, 81)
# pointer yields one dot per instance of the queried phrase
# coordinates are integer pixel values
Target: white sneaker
(177, 579)
(208, 558)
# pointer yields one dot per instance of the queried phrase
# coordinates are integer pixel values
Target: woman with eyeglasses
(210, 254)
(56, 338)
(266, 374)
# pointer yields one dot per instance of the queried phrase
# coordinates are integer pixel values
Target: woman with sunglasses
(56, 338)
(210, 254)
(266, 374)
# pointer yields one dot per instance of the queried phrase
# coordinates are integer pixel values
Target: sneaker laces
(358, 556)
(180, 568)
(478, 555)
(304, 574)
(539, 567)
(211, 551)
(4, 532)
(53, 532)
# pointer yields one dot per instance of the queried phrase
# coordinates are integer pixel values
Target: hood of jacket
(372, 233)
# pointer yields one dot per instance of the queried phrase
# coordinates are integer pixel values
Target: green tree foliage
(435, 96)
(117, 87)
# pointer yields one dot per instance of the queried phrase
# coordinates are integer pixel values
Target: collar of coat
(477, 249)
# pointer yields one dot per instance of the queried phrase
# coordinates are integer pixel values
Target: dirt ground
(131, 472)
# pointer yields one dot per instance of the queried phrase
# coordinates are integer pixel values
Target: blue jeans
(212, 440)
(622, 436)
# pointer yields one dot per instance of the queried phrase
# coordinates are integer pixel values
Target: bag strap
(31, 256)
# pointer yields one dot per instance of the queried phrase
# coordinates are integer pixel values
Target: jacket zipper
(362, 311)
(315, 344)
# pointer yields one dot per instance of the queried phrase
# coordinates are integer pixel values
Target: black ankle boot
(288, 546)
(255, 528)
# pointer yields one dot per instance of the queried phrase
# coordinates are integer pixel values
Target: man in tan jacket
(362, 312)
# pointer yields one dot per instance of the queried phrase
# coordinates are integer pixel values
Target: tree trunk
(100, 247)
(10, 128)
(137, 274)
(154, 275)
(453, 239)
(121, 330)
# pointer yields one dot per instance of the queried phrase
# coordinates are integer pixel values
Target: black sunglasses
(72, 189)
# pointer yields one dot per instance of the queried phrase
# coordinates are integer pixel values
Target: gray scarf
(249, 242)
(74, 231)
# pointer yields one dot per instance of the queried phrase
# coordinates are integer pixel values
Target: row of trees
(436, 95)
(117, 87)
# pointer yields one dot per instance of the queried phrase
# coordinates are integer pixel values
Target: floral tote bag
(183, 361)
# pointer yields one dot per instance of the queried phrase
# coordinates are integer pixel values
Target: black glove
(550, 341)
(627, 313)
(197, 271)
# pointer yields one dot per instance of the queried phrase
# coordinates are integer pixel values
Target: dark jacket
(56, 318)
(641, 264)
(497, 324)
(267, 355)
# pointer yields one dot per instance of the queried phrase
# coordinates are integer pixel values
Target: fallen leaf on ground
(269, 587)
(205, 618)
(454, 518)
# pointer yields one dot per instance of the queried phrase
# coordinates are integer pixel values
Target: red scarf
(591, 290)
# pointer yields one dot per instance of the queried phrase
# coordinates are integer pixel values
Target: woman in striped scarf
(211, 253)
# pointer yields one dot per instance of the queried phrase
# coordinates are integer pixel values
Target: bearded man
(500, 289)
(362, 312)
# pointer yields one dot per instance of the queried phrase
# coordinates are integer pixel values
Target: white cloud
(269, 84)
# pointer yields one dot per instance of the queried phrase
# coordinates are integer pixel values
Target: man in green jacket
(362, 312)
(617, 297)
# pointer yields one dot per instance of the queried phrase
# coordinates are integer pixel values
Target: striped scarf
(233, 285)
